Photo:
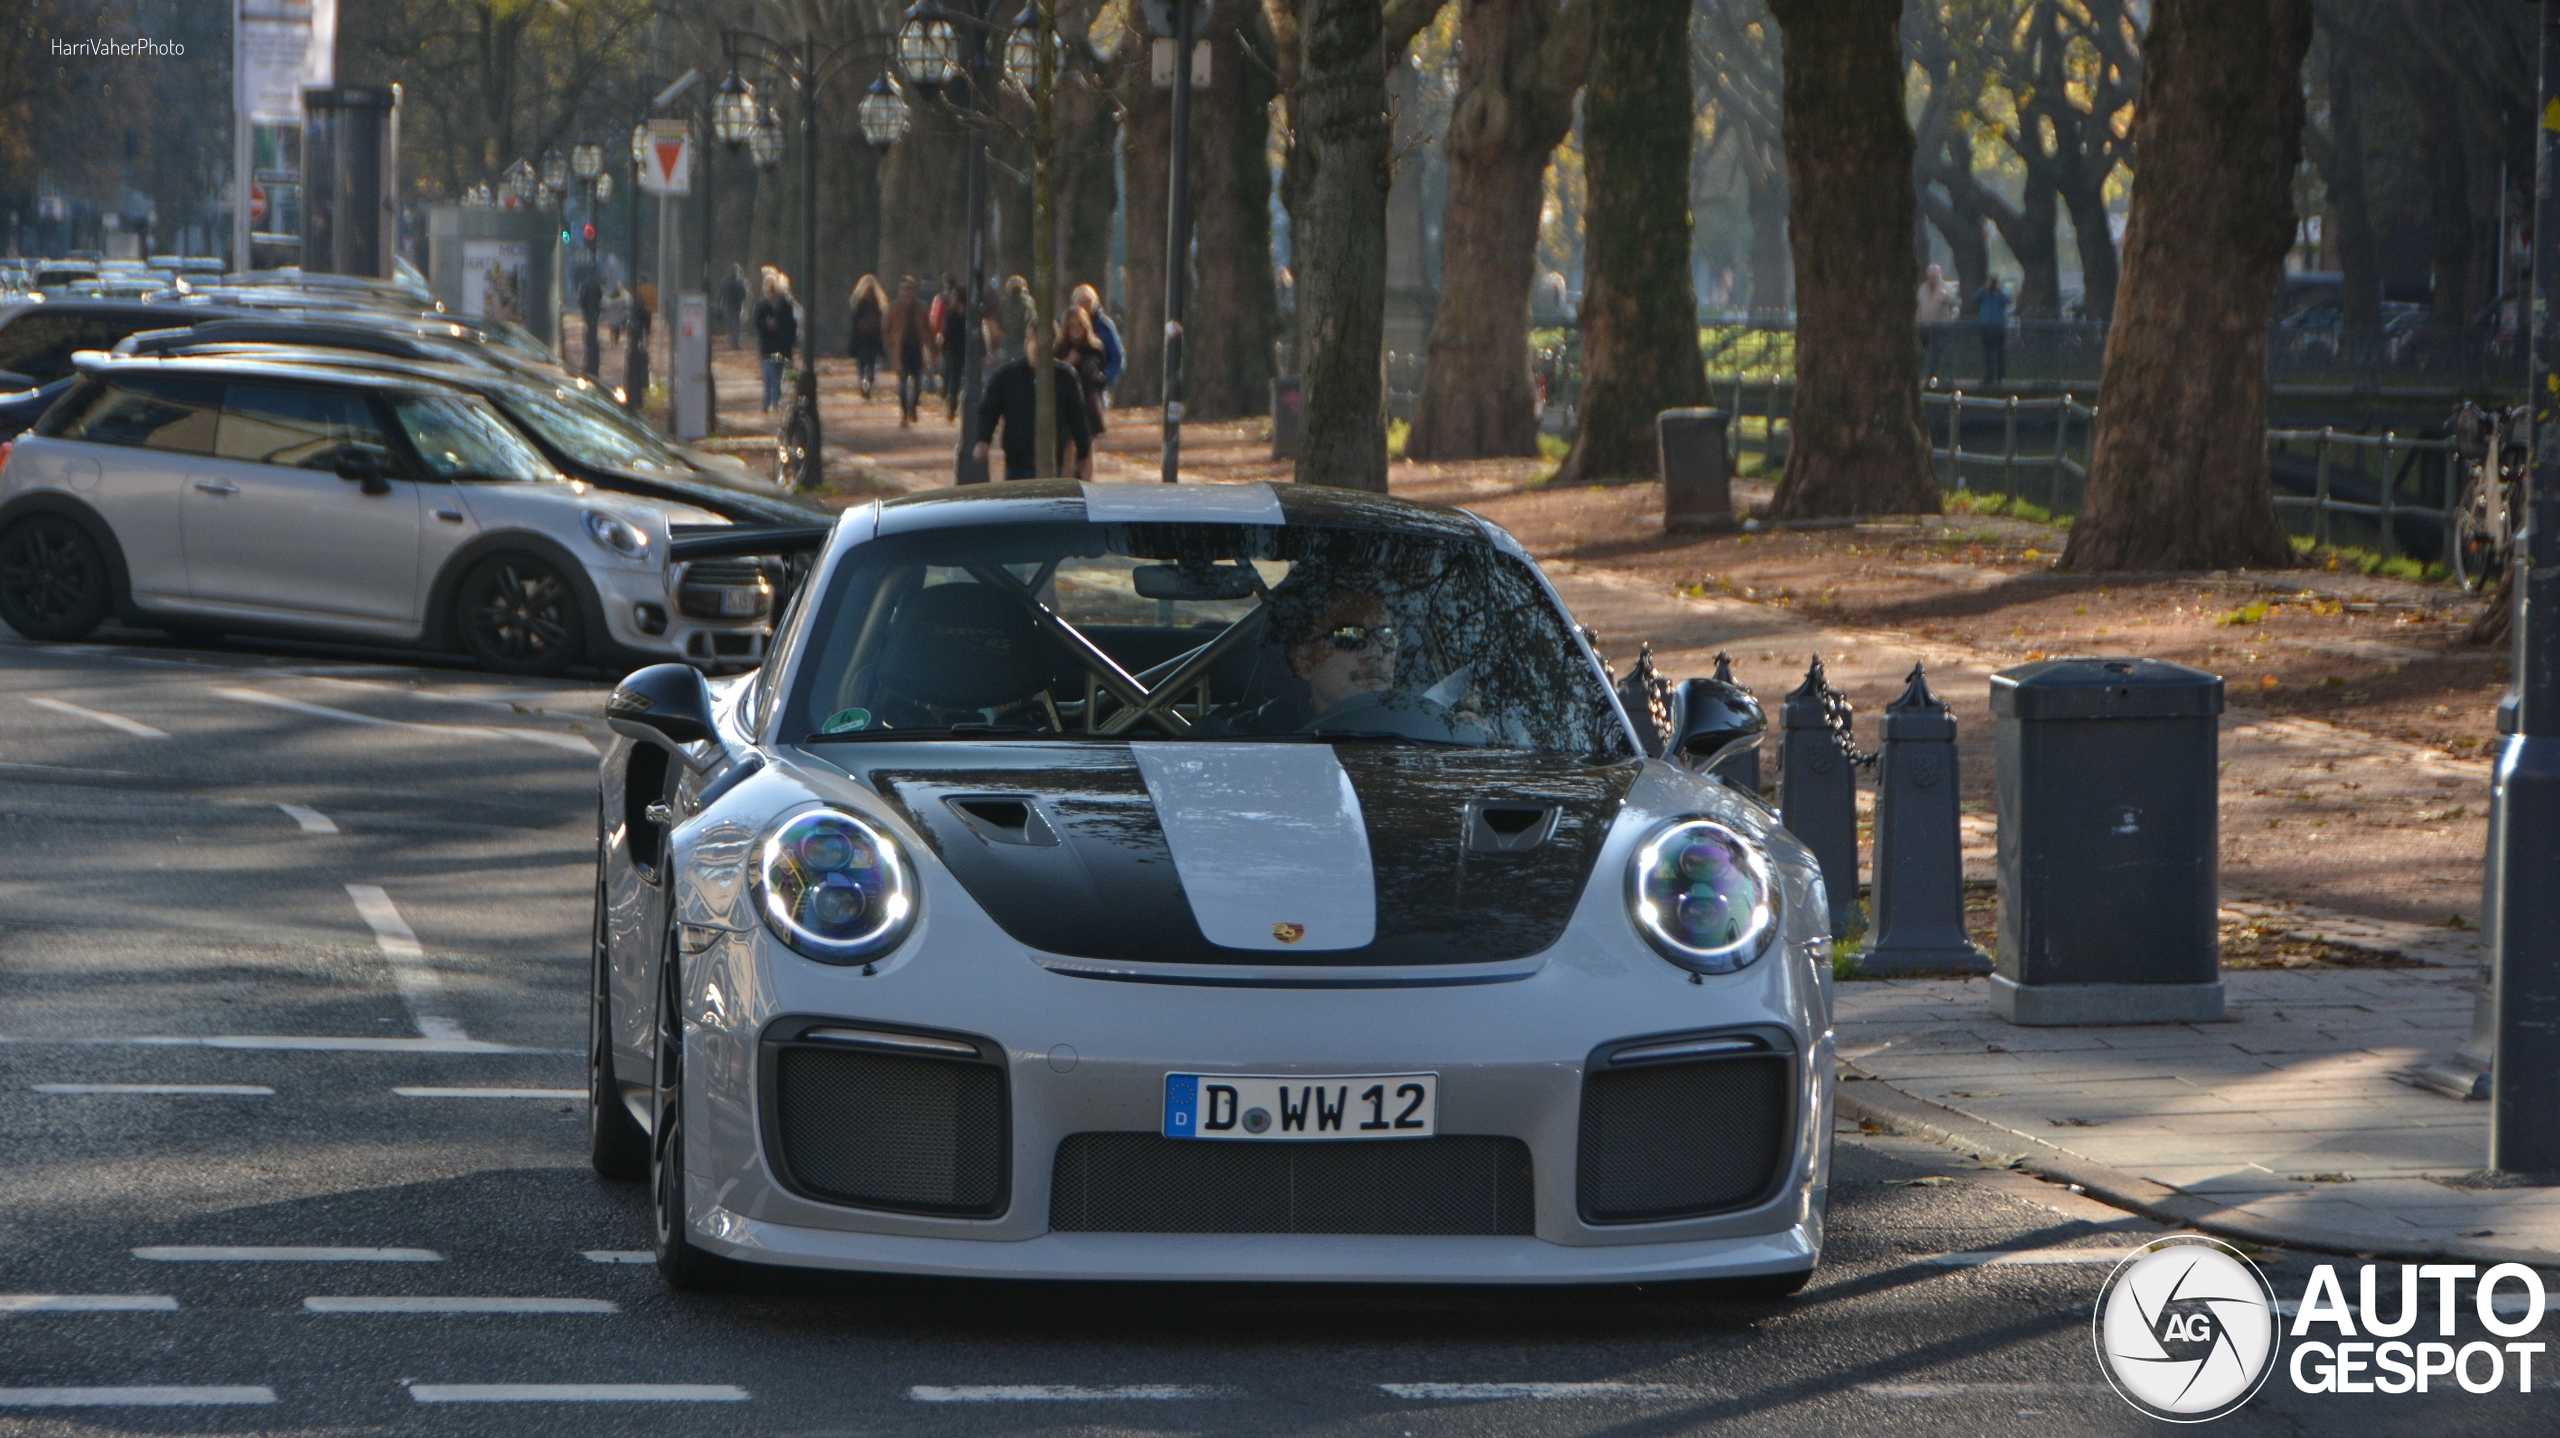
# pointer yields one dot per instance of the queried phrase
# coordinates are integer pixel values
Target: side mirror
(668, 705)
(364, 466)
(1717, 728)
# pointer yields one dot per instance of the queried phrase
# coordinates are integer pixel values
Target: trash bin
(1697, 477)
(2107, 842)
(1288, 412)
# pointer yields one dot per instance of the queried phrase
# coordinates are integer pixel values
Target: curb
(1864, 1097)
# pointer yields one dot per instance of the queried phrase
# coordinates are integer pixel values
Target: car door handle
(449, 516)
(216, 486)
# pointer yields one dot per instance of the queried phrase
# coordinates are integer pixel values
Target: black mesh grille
(1678, 1140)
(885, 1131)
(1145, 1183)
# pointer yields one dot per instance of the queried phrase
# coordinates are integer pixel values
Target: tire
(54, 583)
(518, 614)
(685, 1267)
(791, 450)
(617, 1145)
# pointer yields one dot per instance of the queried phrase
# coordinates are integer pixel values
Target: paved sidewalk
(2292, 1122)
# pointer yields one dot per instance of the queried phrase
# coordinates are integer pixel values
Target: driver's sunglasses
(1353, 638)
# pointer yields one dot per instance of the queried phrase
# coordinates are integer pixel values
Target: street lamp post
(586, 162)
(635, 345)
(2524, 1084)
(1177, 242)
(930, 50)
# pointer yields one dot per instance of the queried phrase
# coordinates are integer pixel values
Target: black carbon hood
(1060, 844)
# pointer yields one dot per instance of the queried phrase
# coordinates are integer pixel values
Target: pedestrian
(1991, 313)
(1013, 399)
(777, 327)
(591, 307)
(1081, 352)
(733, 302)
(865, 347)
(908, 329)
(1938, 303)
(1114, 358)
(951, 322)
(617, 310)
(1016, 314)
(644, 308)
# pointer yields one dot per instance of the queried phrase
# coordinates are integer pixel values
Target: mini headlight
(1704, 896)
(619, 535)
(834, 888)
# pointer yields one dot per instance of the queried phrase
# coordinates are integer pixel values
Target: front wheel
(519, 615)
(2474, 559)
(53, 579)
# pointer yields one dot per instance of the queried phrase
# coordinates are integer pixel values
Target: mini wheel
(518, 614)
(53, 579)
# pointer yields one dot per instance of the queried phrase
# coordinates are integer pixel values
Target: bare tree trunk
(2340, 155)
(2448, 191)
(1340, 170)
(1227, 352)
(1960, 226)
(1146, 133)
(1639, 308)
(1854, 446)
(2087, 203)
(2031, 238)
(1772, 280)
(2178, 479)
(1519, 64)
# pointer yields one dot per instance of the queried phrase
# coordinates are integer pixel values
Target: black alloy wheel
(617, 1145)
(53, 580)
(519, 615)
(683, 1265)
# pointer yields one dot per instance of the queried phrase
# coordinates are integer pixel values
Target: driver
(1340, 645)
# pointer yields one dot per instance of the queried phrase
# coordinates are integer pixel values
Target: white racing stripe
(1547, 1392)
(87, 1303)
(1917, 1391)
(2018, 1257)
(421, 989)
(1268, 841)
(297, 1043)
(415, 1303)
(1070, 1393)
(311, 820)
(236, 1090)
(138, 1397)
(219, 1254)
(569, 742)
(620, 1257)
(576, 1393)
(134, 727)
(535, 1093)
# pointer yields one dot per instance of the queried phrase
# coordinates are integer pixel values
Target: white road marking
(421, 989)
(87, 1303)
(535, 1093)
(1976, 1390)
(576, 1393)
(240, 1090)
(1546, 1392)
(1070, 1393)
(2009, 1257)
(134, 727)
(151, 1397)
(465, 731)
(417, 1304)
(211, 1254)
(630, 1256)
(302, 1043)
(532, 702)
(311, 820)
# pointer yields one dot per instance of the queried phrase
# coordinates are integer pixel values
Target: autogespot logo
(2186, 1329)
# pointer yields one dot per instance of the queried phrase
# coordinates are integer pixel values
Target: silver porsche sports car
(1224, 882)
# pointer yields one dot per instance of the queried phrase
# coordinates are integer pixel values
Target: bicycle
(2494, 455)
(796, 436)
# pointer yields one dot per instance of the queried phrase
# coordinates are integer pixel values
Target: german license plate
(735, 602)
(1272, 1107)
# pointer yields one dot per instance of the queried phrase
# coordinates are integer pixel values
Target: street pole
(635, 355)
(1177, 243)
(813, 471)
(1044, 287)
(710, 213)
(2524, 1085)
(967, 467)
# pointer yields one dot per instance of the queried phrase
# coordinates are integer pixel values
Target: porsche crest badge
(1288, 933)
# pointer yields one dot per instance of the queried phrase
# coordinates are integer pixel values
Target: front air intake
(1677, 1129)
(900, 1122)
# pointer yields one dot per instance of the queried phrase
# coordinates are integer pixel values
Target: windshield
(463, 438)
(1223, 632)
(591, 438)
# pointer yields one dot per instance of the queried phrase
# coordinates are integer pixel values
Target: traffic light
(590, 235)
(564, 237)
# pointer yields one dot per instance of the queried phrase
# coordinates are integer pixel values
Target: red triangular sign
(669, 151)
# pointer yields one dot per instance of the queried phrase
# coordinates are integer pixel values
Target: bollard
(1819, 790)
(1697, 482)
(1919, 867)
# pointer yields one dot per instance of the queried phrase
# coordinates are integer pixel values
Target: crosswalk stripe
(576, 1393)
(206, 1253)
(434, 1304)
(1546, 1392)
(87, 1303)
(134, 727)
(1068, 1393)
(152, 1396)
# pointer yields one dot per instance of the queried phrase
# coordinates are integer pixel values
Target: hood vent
(1498, 828)
(1004, 819)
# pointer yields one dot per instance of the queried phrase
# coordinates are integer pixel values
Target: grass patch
(2245, 614)
(1551, 447)
(2339, 558)
(1974, 501)
(1398, 431)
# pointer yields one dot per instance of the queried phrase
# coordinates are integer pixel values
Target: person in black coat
(1013, 398)
(777, 323)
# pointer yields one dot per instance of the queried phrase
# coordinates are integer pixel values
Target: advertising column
(278, 49)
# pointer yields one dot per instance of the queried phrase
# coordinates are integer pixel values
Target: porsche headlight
(833, 887)
(1704, 896)
(617, 534)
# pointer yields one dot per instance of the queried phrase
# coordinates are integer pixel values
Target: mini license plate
(1268, 1107)
(734, 602)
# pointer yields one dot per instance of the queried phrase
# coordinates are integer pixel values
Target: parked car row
(332, 460)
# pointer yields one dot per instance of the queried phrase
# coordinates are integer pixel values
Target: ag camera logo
(2186, 1329)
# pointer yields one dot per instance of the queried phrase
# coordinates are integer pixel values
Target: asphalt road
(292, 946)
